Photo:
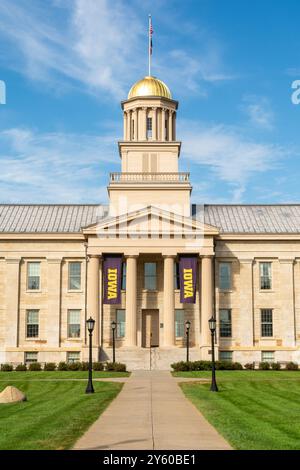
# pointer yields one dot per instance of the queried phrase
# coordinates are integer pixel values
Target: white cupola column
(128, 125)
(163, 124)
(154, 123)
(170, 125)
(125, 125)
(135, 126)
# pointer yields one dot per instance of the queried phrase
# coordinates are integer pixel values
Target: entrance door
(150, 328)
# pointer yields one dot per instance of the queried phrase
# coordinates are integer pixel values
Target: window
(32, 323)
(179, 323)
(150, 276)
(225, 276)
(123, 286)
(176, 276)
(74, 323)
(33, 276)
(120, 314)
(74, 275)
(266, 322)
(225, 323)
(265, 276)
(149, 128)
(225, 356)
(267, 356)
(73, 356)
(31, 357)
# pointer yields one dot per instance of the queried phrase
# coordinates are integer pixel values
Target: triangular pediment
(150, 222)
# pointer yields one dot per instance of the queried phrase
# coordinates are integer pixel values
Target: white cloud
(54, 167)
(232, 157)
(97, 45)
(259, 112)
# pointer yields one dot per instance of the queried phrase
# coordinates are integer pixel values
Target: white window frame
(179, 325)
(69, 277)
(229, 264)
(68, 322)
(121, 326)
(148, 276)
(70, 353)
(26, 361)
(35, 310)
(264, 359)
(226, 352)
(261, 276)
(28, 263)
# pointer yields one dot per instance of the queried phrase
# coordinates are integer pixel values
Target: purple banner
(188, 279)
(112, 279)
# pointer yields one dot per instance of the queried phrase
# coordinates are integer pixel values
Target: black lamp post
(187, 332)
(113, 327)
(212, 326)
(90, 323)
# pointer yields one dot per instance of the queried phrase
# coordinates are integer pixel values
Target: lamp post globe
(187, 332)
(90, 323)
(113, 327)
(212, 326)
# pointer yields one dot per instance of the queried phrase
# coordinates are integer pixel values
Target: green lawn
(56, 414)
(4, 376)
(253, 409)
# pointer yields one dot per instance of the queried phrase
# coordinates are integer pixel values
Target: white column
(54, 302)
(287, 310)
(135, 125)
(125, 125)
(131, 301)
(169, 301)
(174, 125)
(154, 123)
(144, 123)
(93, 295)
(163, 124)
(206, 293)
(170, 122)
(12, 301)
(128, 125)
(245, 333)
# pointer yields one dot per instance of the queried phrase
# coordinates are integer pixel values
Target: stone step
(139, 358)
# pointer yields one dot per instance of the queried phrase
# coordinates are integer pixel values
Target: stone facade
(149, 220)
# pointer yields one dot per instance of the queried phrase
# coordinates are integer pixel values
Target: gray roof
(281, 218)
(49, 218)
(70, 218)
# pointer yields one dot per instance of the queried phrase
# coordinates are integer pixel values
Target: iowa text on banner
(188, 279)
(112, 279)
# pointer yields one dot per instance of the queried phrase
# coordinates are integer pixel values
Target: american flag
(150, 34)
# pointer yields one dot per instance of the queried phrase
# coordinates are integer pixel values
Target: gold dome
(149, 86)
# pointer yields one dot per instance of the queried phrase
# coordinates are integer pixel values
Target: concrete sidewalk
(151, 413)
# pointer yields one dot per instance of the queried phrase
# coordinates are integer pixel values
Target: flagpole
(149, 45)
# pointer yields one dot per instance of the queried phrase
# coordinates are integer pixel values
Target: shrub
(264, 366)
(84, 366)
(35, 366)
(180, 366)
(237, 366)
(74, 366)
(6, 367)
(184, 366)
(62, 366)
(291, 366)
(21, 367)
(249, 366)
(276, 365)
(115, 367)
(49, 366)
(98, 366)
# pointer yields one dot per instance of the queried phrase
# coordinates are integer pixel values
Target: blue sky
(67, 64)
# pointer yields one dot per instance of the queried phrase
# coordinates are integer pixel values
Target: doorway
(150, 328)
